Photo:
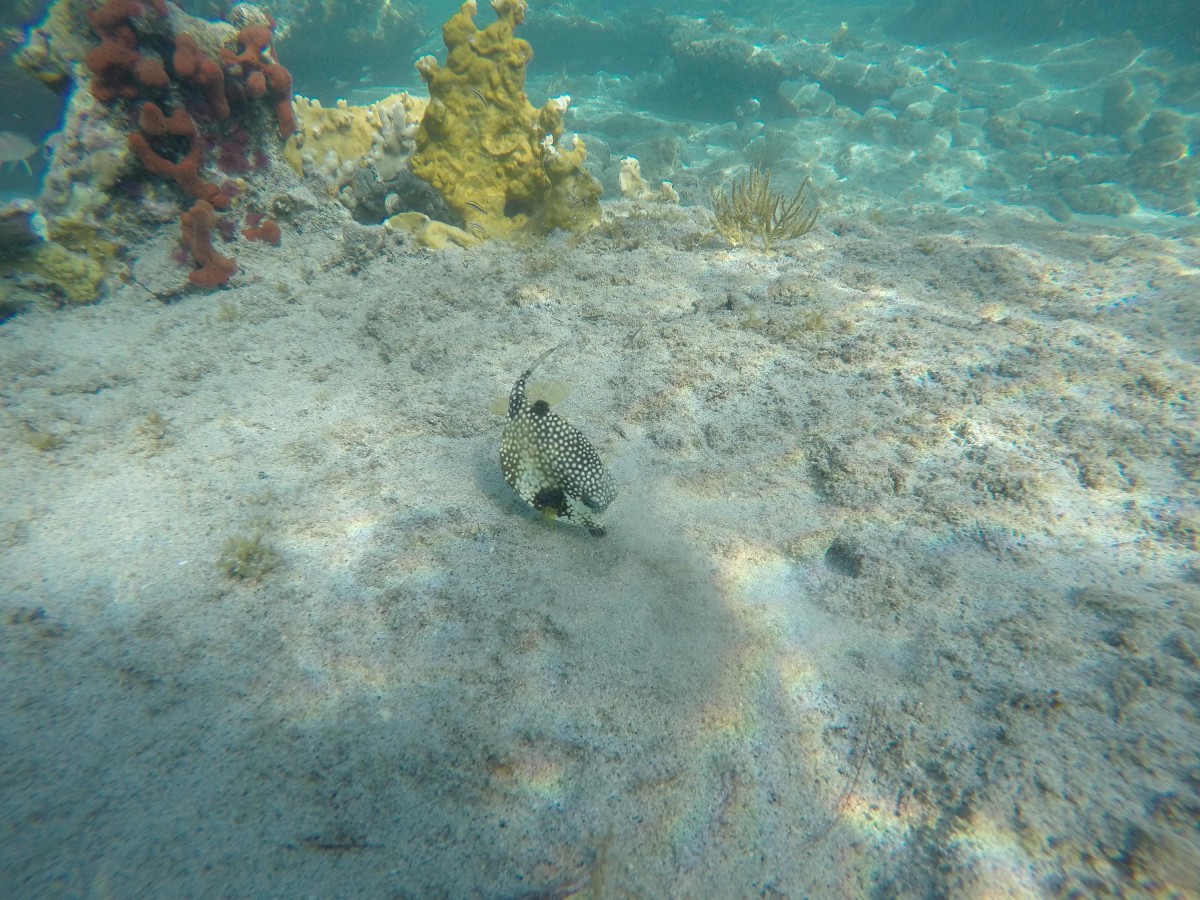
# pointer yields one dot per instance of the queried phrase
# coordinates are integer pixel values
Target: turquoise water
(1056, 106)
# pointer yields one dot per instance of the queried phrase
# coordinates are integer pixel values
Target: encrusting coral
(76, 275)
(499, 163)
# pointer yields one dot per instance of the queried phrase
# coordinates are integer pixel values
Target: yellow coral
(76, 275)
(429, 232)
(498, 162)
(328, 139)
(337, 140)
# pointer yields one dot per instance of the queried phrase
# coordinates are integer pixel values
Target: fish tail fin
(517, 398)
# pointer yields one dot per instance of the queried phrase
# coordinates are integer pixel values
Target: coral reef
(626, 40)
(1163, 167)
(500, 164)
(714, 66)
(1172, 23)
(158, 92)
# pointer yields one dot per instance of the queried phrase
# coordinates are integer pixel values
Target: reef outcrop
(502, 165)
(165, 109)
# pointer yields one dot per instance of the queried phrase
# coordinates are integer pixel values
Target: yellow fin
(553, 392)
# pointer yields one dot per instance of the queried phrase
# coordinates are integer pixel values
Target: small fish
(477, 206)
(16, 148)
(478, 93)
(550, 464)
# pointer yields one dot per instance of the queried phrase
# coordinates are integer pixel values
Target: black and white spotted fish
(550, 463)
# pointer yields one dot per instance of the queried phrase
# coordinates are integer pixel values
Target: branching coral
(751, 210)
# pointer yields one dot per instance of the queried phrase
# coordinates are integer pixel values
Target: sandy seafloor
(900, 594)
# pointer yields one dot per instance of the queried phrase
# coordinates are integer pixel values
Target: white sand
(899, 595)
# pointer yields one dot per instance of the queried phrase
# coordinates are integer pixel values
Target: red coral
(280, 81)
(266, 230)
(261, 74)
(156, 124)
(196, 227)
(113, 63)
(186, 172)
(256, 84)
(115, 13)
(116, 63)
(187, 55)
(192, 65)
(255, 41)
(151, 73)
